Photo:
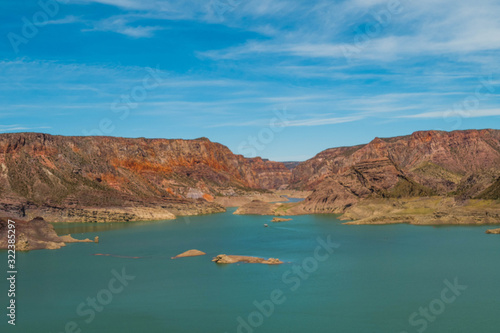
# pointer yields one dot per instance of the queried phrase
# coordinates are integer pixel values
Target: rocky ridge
(462, 164)
(34, 235)
(98, 179)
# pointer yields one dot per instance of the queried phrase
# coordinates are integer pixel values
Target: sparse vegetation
(409, 188)
(492, 192)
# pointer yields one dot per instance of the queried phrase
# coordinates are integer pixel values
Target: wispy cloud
(309, 122)
(323, 121)
(464, 29)
(451, 113)
(66, 20)
(231, 63)
(14, 128)
(123, 26)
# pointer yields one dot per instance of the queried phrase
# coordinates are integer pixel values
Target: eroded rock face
(424, 211)
(114, 214)
(34, 235)
(492, 192)
(93, 178)
(460, 163)
(101, 179)
(232, 259)
(257, 207)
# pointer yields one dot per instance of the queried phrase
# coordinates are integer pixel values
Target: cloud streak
(450, 113)
(15, 128)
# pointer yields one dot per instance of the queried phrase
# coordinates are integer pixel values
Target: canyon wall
(463, 164)
(53, 174)
(118, 179)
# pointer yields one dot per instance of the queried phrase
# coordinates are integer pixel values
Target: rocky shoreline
(127, 211)
(36, 234)
(436, 210)
(424, 211)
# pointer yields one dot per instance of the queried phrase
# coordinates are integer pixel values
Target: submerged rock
(190, 253)
(232, 259)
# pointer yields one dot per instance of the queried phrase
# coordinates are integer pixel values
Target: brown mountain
(119, 179)
(464, 164)
(107, 178)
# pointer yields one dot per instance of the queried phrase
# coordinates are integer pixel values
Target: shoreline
(421, 211)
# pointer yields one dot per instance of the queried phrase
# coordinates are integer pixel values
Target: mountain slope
(459, 163)
(40, 171)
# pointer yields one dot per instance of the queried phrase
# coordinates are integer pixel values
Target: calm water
(373, 282)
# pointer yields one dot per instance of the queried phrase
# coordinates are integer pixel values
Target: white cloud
(442, 28)
(66, 20)
(122, 25)
(14, 128)
(457, 113)
(323, 121)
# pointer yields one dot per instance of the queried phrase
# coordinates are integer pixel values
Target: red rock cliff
(41, 169)
(463, 163)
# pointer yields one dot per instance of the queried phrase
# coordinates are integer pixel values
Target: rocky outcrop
(423, 211)
(291, 165)
(69, 239)
(231, 259)
(34, 235)
(257, 207)
(120, 179)
(280, 219)
(189, 253)
(492, 192)
(493, 231)
(274, 196)
(111, 214)
(464, 164)
(237, 201)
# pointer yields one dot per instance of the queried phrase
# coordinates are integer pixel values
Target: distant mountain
(291, 165)
(464, 164)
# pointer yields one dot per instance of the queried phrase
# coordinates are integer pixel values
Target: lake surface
(374, 280)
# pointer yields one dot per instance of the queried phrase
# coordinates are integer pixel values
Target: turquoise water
(373, 282)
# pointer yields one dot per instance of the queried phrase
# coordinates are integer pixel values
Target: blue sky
(281, 79)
